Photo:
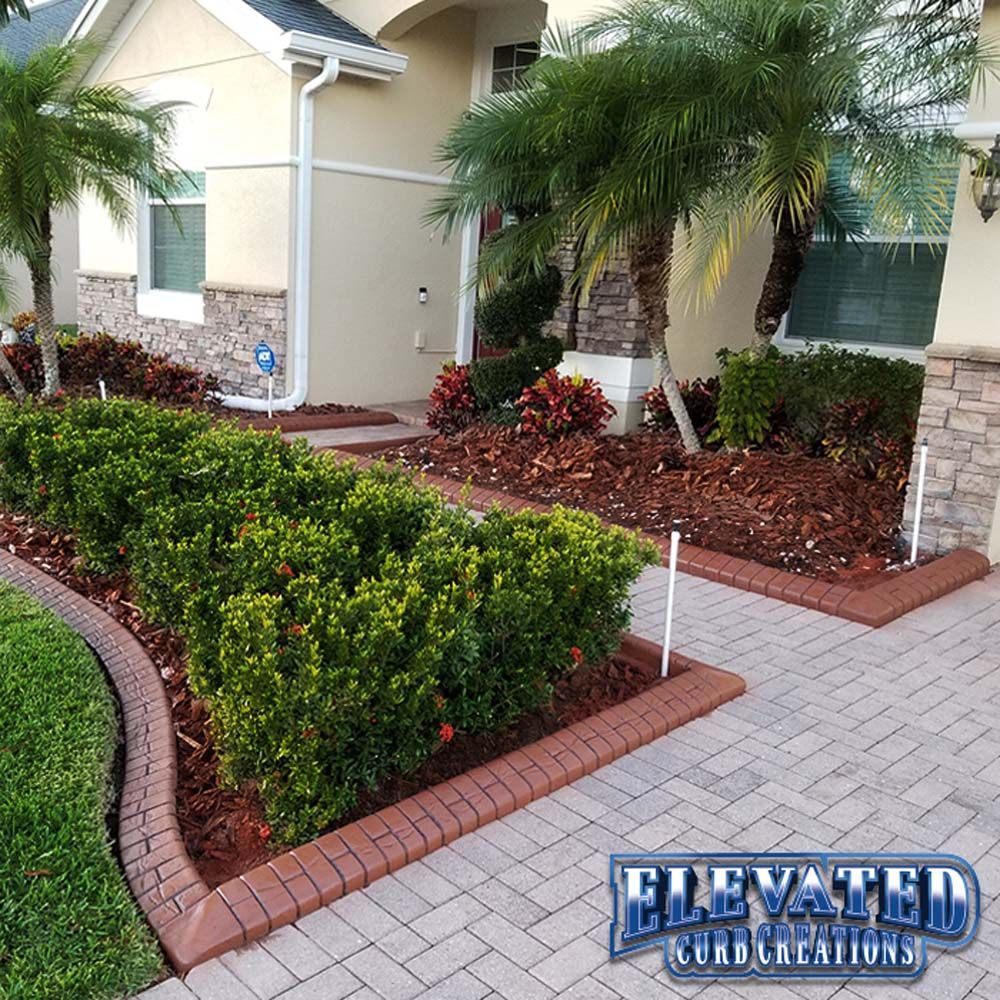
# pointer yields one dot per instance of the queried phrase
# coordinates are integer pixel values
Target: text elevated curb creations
(828, 916)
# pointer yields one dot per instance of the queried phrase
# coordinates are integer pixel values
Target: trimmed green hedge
(335, 618)
(68, 925)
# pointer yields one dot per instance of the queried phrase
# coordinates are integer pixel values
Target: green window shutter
(868, 293)
(178, 250)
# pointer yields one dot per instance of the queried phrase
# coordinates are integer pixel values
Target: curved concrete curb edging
(160, 874)
(875, 607)
(195, 924)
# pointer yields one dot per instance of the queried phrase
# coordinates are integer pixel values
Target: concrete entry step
(361, 439)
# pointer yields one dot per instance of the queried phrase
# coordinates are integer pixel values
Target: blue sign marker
(265, 358)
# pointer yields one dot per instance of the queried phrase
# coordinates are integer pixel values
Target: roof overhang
(112, 21)
(355, 60)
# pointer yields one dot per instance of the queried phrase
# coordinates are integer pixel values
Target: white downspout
(303, 250)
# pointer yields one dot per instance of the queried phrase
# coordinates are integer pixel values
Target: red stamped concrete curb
(308, 877)
(159, 872)
(288, 422)
(876, 606)
(195, 923)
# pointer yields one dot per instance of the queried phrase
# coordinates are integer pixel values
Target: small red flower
(264, 832)
(309, 733)
(122, 549)
(577, 655)
(296, 629)
(470, 595)
(251, 516)
(285, 570)
(43, 489)
(446, 732)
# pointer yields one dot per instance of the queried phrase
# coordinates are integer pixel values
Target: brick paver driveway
(847, 739)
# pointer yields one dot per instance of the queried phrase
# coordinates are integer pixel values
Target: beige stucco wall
(372, 252)
(65, 254)
(248, 117)
(697, 333)
(970, 293)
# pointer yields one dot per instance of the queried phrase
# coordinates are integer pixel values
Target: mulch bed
(306, 410)
(804, 515)
(224, 830)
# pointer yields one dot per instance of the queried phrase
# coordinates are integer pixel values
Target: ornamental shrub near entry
(338, 621)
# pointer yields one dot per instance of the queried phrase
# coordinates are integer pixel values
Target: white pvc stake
(919, 511)
(103, 388)
(270, 395)
(675, 541)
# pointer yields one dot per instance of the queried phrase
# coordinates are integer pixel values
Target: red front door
(490, 222)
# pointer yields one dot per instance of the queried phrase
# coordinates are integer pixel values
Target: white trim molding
(795, 345)
(386, 173)
(978, 131)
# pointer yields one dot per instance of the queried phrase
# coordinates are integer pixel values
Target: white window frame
(163, 303)
(491, 73)
(794, 345)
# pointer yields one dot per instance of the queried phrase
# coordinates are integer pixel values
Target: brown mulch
(586, 691)
(224, 830)
(306, 410)
(805, 515)
(221, 827)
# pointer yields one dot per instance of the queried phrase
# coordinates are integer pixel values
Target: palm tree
(803, 85)
(601, 149)
(8, 7)
(60, 140)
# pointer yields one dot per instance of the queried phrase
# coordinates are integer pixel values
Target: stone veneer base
(960, 417)
(875, 607)
(194, 923)
(235, 320)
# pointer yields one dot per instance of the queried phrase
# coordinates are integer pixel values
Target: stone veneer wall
(610, 322)
(236, 319)
(960, 417)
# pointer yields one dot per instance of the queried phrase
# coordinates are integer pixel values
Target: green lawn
(69, 929)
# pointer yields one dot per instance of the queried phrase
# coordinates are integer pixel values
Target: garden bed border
(875, 606)
(195, 923)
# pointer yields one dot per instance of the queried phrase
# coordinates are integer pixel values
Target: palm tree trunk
(41, 289)
(789, 248)
(649, 268)
(7, 370)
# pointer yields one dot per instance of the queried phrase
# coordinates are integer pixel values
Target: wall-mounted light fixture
(422, 296)
(986, 182)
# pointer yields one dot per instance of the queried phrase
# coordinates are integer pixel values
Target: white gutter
(303, 251)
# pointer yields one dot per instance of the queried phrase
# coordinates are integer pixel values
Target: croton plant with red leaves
(453, 400)
(557, 405)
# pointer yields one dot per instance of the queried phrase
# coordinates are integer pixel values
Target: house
(308, 131)
(50, 20)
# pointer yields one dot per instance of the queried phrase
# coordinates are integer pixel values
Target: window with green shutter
(872, 293)
(177, 242)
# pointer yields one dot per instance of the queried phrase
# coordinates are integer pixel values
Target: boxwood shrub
(336, 619)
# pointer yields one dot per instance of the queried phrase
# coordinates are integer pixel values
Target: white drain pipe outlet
(303, 250)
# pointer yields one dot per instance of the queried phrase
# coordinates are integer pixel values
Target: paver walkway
(847, 738)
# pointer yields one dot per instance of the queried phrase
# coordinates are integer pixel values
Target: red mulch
(586, 691)
(222, 827)
(806, 515)
(306, 410)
